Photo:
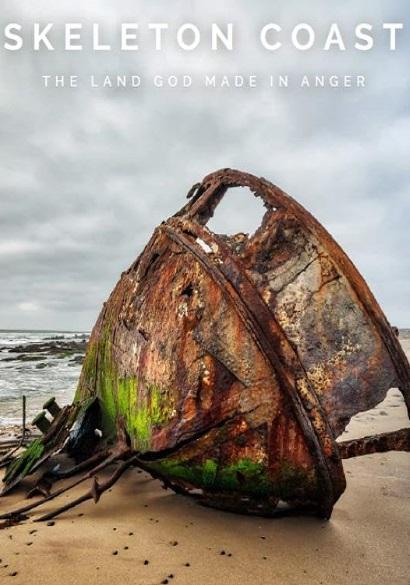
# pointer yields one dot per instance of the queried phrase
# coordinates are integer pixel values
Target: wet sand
(141, 534)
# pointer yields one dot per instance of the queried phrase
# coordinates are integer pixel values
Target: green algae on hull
(23, 464)
(86, 385)
(141, 405)
(245, 477)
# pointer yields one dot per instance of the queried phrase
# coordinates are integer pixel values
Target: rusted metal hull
(232, 363)
(242, 359)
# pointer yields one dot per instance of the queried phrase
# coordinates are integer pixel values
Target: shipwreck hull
(235, 362)
(226, 366)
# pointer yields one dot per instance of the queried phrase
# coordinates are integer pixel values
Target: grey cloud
(86, 175)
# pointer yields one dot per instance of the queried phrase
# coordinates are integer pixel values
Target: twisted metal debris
(227, 366)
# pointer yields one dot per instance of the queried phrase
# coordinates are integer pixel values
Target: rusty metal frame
(278, 351)
(204, 198)
(207, 195)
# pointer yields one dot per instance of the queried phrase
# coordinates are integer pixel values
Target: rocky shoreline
(56, 347)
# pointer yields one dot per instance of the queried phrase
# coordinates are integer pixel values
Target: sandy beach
(205, 286)
(141, 534)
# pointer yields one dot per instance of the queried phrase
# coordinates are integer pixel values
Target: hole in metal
(238, 212)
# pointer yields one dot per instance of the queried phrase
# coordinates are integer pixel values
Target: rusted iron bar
(94, 493)
(18, 443)
(111, 458)
(393, 441)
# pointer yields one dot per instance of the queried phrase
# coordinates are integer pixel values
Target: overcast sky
(87, 174)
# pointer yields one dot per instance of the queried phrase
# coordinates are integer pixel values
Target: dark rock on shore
(23, 357)
(76, 360)
(50, 347)
(43, 365)
(58, 348)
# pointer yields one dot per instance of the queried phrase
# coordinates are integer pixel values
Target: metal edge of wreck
(213, 187)
(204, 198)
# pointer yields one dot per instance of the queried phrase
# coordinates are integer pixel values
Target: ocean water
(38, 379)
(57, 378)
